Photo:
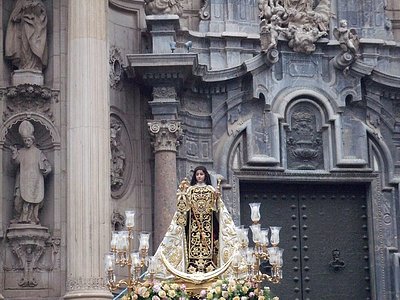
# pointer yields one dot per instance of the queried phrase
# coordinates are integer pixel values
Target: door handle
(336, 263)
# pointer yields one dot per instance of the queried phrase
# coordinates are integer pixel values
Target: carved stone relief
(28, 245)
(163, 7)
(121, 150)
(117, 221)
(301, 22)
(82, 284)
(28, 97)
(304, 140)
(116, 68)
(164, 92)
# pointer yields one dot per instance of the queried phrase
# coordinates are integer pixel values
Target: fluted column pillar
(88, 198)
(165, 134)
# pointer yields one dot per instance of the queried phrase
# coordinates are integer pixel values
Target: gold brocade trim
(202, 253)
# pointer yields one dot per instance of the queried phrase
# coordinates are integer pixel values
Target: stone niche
(31, 257)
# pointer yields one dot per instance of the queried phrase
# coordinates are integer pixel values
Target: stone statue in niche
(33, 166)
(299, 21)
(163, 7)
(118, 156)
(26, 36)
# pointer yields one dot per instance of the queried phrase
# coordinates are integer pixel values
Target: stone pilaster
(166, 135)
(88, 194)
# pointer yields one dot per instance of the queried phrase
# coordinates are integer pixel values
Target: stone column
(88, 163)
(165, 135)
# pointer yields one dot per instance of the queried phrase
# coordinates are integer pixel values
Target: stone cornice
(162, 59)
(187, 64)
(361, 69)
(386, 79)
(260, 60)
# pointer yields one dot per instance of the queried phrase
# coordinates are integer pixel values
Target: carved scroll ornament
(166, 134)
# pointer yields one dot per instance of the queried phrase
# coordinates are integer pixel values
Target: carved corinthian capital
(166, 134)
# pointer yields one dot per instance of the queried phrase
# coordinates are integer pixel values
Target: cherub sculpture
(348, 39)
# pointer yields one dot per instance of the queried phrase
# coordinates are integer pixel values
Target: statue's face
(28, 142)
(200, 176)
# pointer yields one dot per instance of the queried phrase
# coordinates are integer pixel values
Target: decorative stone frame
(48, 246)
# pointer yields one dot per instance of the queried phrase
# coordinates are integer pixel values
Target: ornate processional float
(203, 254)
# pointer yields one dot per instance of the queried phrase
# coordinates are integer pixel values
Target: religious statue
(199, 205)
(202, 239)
(348, 39)
(301, 22)
(163, 7)
(29, 182)
(26, 36)
(118, 156)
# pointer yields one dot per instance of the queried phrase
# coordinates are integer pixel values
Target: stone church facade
(291, 106)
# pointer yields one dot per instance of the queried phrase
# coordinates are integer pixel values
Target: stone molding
(84, 284)
(166, 134)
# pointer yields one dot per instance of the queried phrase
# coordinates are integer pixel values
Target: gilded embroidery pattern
(202, 250)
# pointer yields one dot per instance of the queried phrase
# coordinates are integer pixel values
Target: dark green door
(324, 234)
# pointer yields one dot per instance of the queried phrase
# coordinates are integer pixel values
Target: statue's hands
(13, 149)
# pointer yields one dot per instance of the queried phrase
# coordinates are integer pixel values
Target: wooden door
(324, 234)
